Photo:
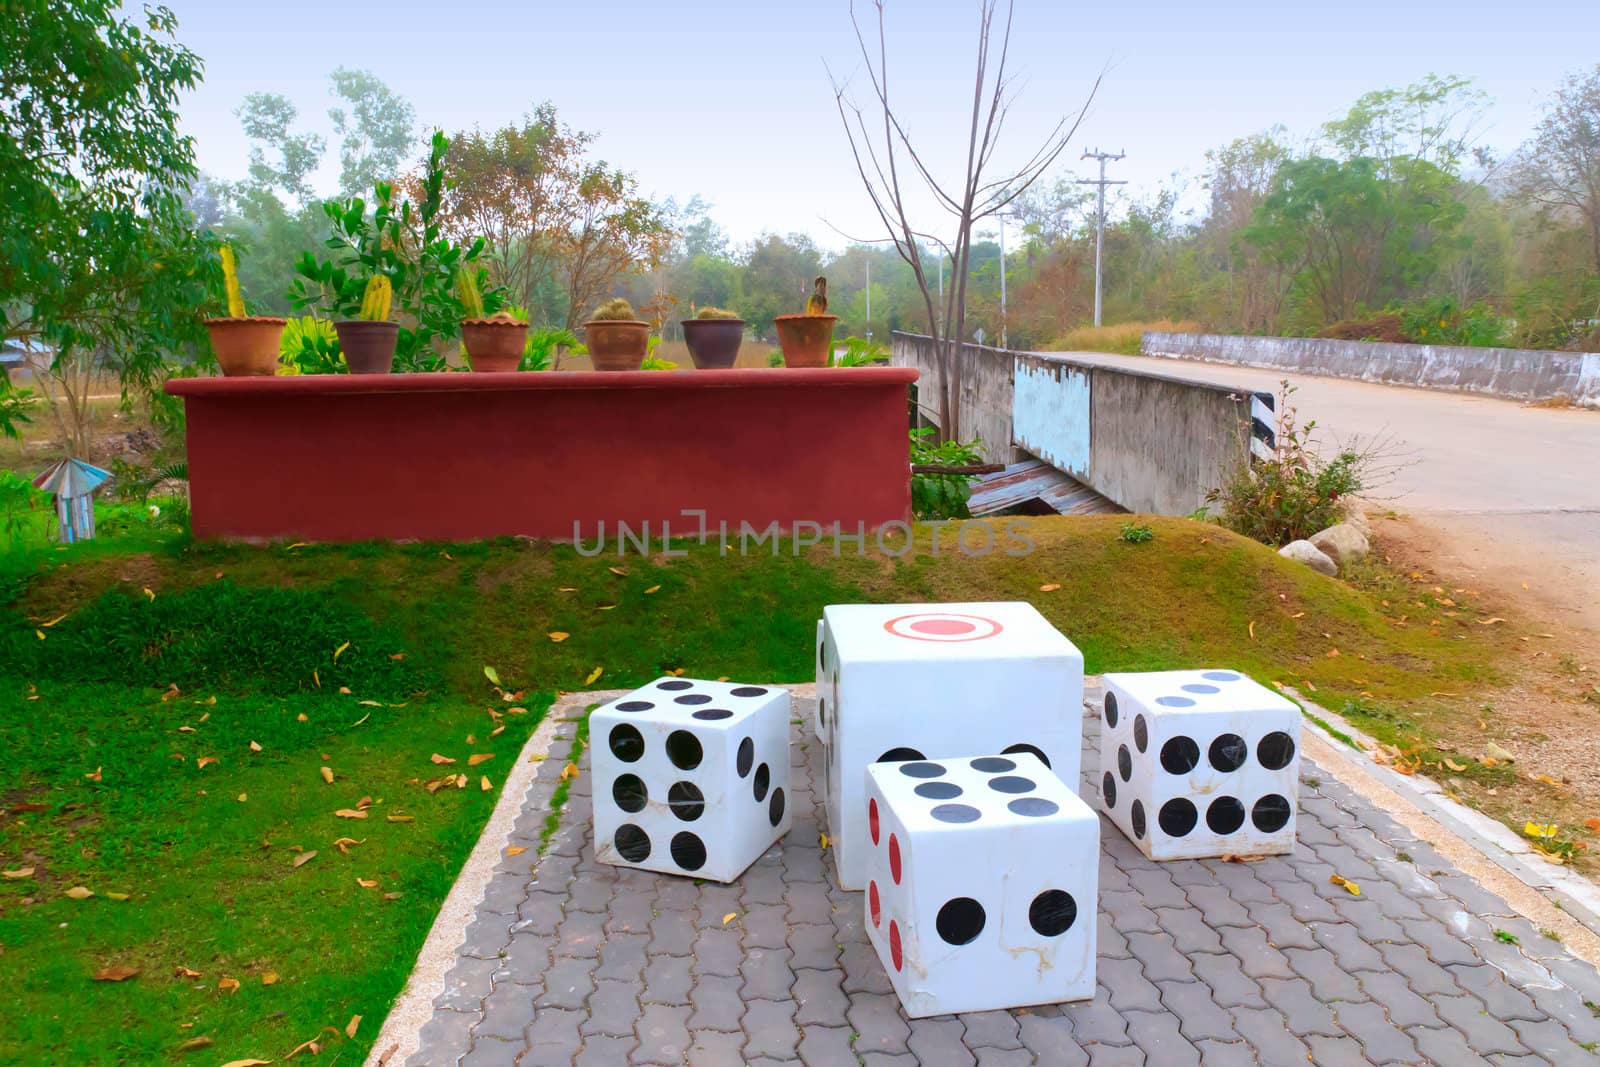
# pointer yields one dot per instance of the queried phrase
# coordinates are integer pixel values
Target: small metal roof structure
(1039, 488)
(71, 477)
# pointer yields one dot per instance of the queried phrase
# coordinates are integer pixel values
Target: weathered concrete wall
(1516, 373)
(986, 391)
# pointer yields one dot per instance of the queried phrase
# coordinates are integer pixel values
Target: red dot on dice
(894, 858)
(872, 898)
(872, 819)
(894, 944)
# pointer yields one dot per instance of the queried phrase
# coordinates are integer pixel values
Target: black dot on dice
(750, 691)
(1180, 755)
(1011, 783)
(1033, 807)
(1030, 750)
(899, 755)
(960, 921)
(1275, 750)
(675, 684)
(746, 756)
(1196, 687)
(1228, 752)
(1108, 789)
(1141, 733)
(635, 705)
(686, 801)
(688, 851)
(713, 714)
(692, 699)
(775, 807)
(956, 813)
(1177, 817)
(1111, 709)
(627, 743)
(629, 793)
(761, 781)
(1225, 815)
(938, 790)
(1136, 813)
(1221, 676)
(1052, 912)
(822, 713)
(992, 764)
(633, 844)
(683, 749)
(1175, 702)
(1124, 762)
(1271, 813)
(921, 770)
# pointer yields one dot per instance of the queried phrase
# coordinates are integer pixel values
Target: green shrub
(1442, 321)
(309, 346)
(218, 636)
(942, 496)
(859, 352)
(1136, 533)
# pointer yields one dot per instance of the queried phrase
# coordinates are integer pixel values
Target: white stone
(1342, 543)
(912, 681)
(982, 875)
(1309, 554)
(691, 777)
(1199, 763)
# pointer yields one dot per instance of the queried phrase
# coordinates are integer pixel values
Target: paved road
(1513, 491)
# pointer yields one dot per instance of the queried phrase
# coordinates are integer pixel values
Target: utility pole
(1100, 215)
(869, 295)
(1001, 216)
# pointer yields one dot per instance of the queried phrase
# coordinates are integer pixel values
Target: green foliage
(657, 363)
(1442, 321)
(403, 240)
(467, 292)
(217, 636)
(859, 352)
(376, 129)
(230, 282)
(941, 496)
(1136, 533)
(614, 310)
(309, 346)
(1296, 492)
(775, 358)
(27, 516)
(545, 344)
(376, 299)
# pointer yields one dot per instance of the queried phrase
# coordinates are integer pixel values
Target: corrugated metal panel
(1050, 413)
(1036, 480)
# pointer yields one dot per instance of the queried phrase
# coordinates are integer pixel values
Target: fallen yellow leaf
(119, 973)
(479, 757)
(1592, 824)
(206, 761)
(652, 589)
(515, 850)
(94, 775)
(79, 892)
(1050, 588)
(1252, 629)
(1453, 765)
(117, 896)
(340, 651)
(1544, 831)
(441, 760)
(594, 675)
(229, 985)
(400, 818)
(149, 592)
(569, 771)
(620, 571)
(484, 784)
(243, 797)
(559, 636)
(20, 872)
(823, 840)
(491, 674)
(269, 978)
(255, 746)
(301, 717)
(366, 883)
(728, 918)
(327, 774)
(184, 972)
(1348, 886)
(303, 858)
(350, 813)
(351, 1027)
(343, 844)
(247, 1063)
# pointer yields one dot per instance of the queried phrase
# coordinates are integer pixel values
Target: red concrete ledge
(458, 456)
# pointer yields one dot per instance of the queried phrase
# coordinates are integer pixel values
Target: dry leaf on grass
(367, 883)
(269, 978)
(1453, 765)
(206, 761)
(340, 651)
(20, 872)
(255, 746)
(594, 676)
(619, 571)
(1542, 831)
(327, 774)
(194, 1044)
(569, 771)
(1050, 587)
(440, 760)
(185, 972)
(352, 1026)
(247, 1063)
(491, 674)
(652, 589)
(303, 858)
(94, 775)
(559, 636)
(392, 896)
(80, 892)
(484, 784)
(350, 813)
(400, 818)
(119, 973)
(229, 985)
(344, 843)
(479, 757)
(1592, 824)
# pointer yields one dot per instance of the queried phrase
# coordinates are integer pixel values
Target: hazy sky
(731, 100)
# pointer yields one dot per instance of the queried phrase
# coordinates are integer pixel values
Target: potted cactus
(368, 342)
(494, 343)
(246, 345)
(713, 336)
(807, 340)
(616, 338)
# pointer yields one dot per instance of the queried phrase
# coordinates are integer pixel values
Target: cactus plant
(376, 299)
(618, 310)
(716, 313)
(467, 293)
(230, 281)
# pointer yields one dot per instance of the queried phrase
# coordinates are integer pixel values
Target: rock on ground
(1312, 556)
(1342, 543)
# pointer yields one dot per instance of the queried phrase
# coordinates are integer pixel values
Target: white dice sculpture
(691, 777)
(1199, 763)
(914, 681)
(981, 883)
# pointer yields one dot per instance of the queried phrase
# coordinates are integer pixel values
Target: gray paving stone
(492, 1052)
(444, 1038)
(717, 1003)
(769, 1029)
(1159, 957)
(1157, 1034)
(1230, 986)
(1258, 958)
(613, 1008)
(1321, 969)
(1403, 1005)
(602, 1051)
(1338, 1052)
(469, 980)
(1483, 1032)
(1198, 1015)
(992, 1029)
(667, 980)
(827, 1046)
(663, 1035)
(568, 984)
(506, 1013)
(940, 1042)
(1384, 1042)
(1268, 1033)
(766, 974)
(878, 1024)
(553, 1036)
(1004, 1057)
(1051, 1040)
(713, 1048)
(1446, 1047)
(821, 1000)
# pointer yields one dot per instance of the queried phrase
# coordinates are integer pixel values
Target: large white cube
(1199, 763)
(691, 777)
(913, 681)
(981, 881)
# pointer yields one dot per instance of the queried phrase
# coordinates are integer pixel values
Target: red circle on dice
(894, 858)
(894, 944)
(943, 627)
(872, 820)
(872, 898)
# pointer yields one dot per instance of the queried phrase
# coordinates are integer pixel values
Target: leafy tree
(616, 232)
(777, 276)
(376, 127)
(268, 119)
(97, 243)
(1559, 168)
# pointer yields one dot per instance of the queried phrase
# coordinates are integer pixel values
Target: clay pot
(368, 346)
(713, 343)
(494, 344)
(806, 340)
(246, 347)
(616, 344)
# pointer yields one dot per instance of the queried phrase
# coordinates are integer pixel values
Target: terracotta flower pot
(806, 340)
(246, 347)
(494, 344)
(368, 346)
(616, 344)
(713, 343)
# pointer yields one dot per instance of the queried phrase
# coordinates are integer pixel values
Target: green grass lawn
(255, 638)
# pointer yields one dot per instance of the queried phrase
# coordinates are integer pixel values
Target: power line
(1100, 214)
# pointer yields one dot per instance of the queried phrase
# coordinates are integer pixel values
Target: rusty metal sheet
(1032, 480)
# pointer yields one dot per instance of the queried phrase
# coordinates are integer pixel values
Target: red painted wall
(460, 456)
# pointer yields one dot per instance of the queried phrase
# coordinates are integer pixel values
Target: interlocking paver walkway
(1200, 961)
